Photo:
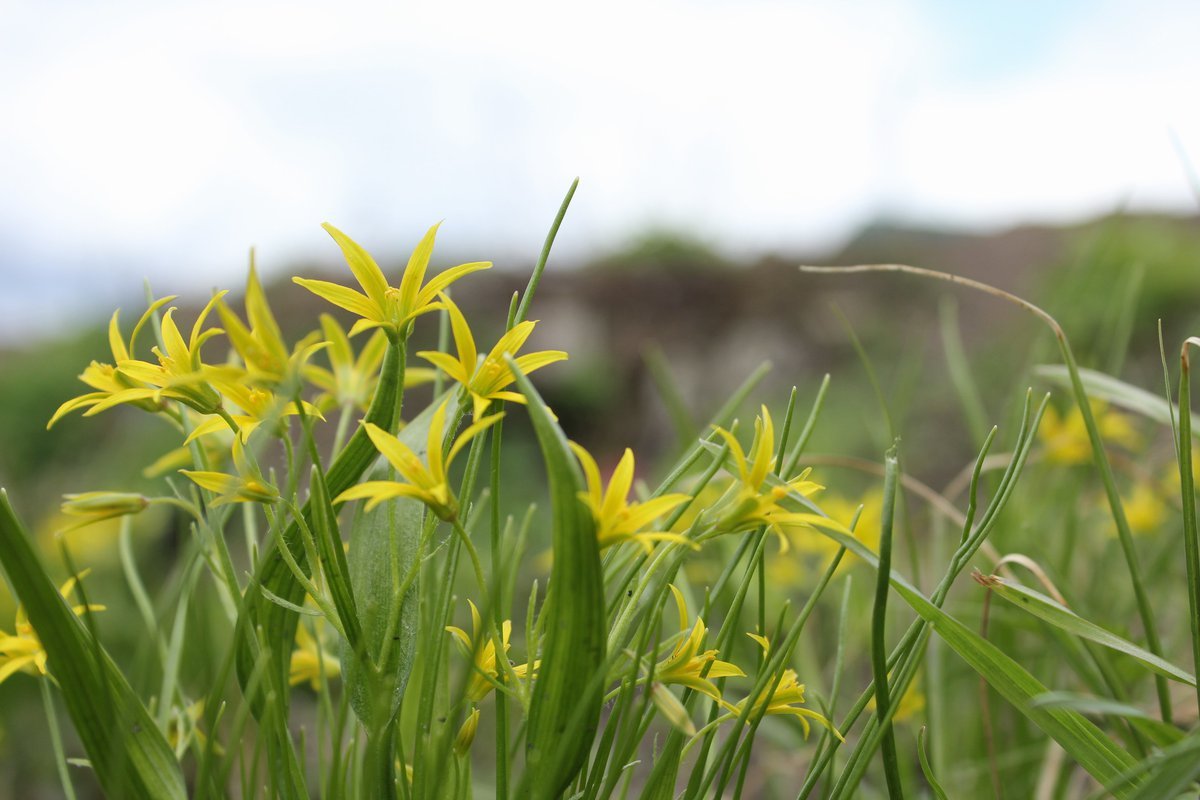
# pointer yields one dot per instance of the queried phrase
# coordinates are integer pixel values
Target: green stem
(379, 764)
(60, 758)
(1191, 536)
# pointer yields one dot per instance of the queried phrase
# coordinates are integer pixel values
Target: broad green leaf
(565, 709)
(129, 754)
(1062, 617)
(278, 622)
(381, 541)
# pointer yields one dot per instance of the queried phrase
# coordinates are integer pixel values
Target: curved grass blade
(936, 787)
(565, 709)
(129, 754)
(1158, 732)
(1169, 772)
(1113, 390)
(1061, 617)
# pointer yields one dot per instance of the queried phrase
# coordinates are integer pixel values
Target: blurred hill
(668, 304)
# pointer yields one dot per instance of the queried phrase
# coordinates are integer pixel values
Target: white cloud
(168, 138)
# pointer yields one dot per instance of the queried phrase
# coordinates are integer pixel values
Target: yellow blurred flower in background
(1065, 439)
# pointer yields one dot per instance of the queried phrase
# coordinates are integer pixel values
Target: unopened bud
(672, 709)
(103, 505)
(466, 733)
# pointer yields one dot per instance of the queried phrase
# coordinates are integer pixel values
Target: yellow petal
(398, 454)
(365, 270)
(115, 342)
(217, 482)
(414, 272)
(464, 342)
(447, 277)
(343, 297)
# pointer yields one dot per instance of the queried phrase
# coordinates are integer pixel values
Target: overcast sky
(163, 139)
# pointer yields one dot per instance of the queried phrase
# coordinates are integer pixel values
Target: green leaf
(1112, 390)
(1155, 730)
(1168, 772)
(1063, 618)
(565, 710)
(129, 754)
(278, 622)
(383, 549)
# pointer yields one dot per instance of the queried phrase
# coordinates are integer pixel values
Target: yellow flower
(1065, 440)
(179, 374)
(216, 449)
(22, 651)
(820, 548)
(618, 520)
(429, 484)
(261, 346)
(248, 486)
(256, 407)
(784, 695)
(486, 381)
(484, 677)
(310, 659)
(351, 380)
(1145, 509)
(382, 305)
(104, 378)
(687, 663)
(912, 703)
(183, 728)
(755, 504)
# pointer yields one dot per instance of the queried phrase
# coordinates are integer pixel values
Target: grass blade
(1061, 617)
(129, 754)
(565, 709)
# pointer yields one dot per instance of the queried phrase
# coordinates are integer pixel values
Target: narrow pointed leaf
(129, 754)
(1063, 618)
(565, 709)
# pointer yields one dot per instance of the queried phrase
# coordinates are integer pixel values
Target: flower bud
(672, 709)
(97, 506)
(466, 733)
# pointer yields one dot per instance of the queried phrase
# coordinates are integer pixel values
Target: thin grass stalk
(1191, 532)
